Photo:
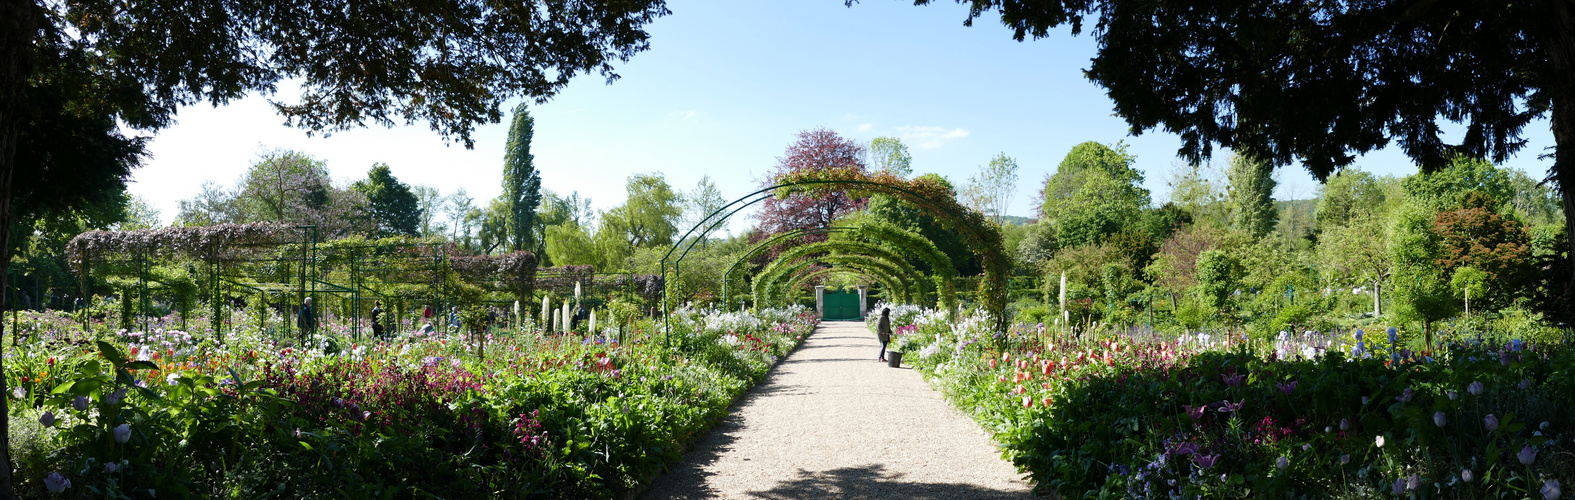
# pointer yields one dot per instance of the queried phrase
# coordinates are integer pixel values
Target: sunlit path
(831, 422)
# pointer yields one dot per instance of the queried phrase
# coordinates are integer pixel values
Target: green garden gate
(841, 305)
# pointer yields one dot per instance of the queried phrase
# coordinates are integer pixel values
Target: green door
(842, 305)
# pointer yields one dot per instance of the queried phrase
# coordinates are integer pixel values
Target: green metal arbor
(865, 248)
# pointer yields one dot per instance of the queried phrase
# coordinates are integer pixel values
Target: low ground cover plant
(167, 415)
(1137, 415)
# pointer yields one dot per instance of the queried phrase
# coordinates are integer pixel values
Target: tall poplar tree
(521, 182)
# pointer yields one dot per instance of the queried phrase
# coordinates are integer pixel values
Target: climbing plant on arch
(906, 241)
(982, 236)
(786, 264)
(978, 232)
(769, 290)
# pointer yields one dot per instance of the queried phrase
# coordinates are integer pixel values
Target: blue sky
(723, 90)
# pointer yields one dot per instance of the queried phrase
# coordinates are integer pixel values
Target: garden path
(831, 422)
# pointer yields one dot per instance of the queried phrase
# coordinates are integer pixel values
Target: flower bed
(1129, 415)
(535, 416)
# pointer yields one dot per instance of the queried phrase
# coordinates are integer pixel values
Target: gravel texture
(830, 422)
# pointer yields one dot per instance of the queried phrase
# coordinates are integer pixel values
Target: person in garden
(307, 321)
(883, 331)
(426, 313)
(377, 319)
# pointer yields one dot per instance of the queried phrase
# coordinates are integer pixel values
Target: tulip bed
(1128, 415)
(168, 415)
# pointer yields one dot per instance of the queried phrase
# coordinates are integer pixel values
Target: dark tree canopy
(1322, 82)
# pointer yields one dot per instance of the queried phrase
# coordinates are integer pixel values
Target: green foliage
(1217, 276)
(889, 154)
(1447, 188)
(990, 191)
(521, 182)
(1095, 192)
(1421, 291)
(1252, 195)
(894, 211)
(393, 208)
(1349, 195)
(646, 218)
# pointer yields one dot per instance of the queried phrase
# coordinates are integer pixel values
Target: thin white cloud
(929, 137)
(684, 115)
(865, 127)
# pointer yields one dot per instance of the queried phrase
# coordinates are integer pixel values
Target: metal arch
(757, 195)
(883, 271)
(906, 277)
(772, 240)
(871, 251)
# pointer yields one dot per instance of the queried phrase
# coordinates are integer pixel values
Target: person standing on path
(307, 321)
(883, 331)
(377, 319)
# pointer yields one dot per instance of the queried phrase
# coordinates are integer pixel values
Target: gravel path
(832, 423)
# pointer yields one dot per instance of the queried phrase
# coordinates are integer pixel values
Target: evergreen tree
(521, 182)
(1252, 196)
(394, 209)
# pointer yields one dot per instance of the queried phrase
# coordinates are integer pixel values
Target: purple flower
(1185, 449)
(56, 483)
(1345, 459)
(1194, 412)
(1550, 490)
(1227, 407)
(1527, 455)
(1405, 396)
(1490, 422)
(1454, 394)
(47, 419)
(111, 467)
(1439, 419)
(115, 397)
(1413, 482)
(122, 433)
(1465, 475)
(80, 403)
(1399, 486)
(1233, 380)
(1345, 424)
(1525, 384)
(1365, 399)
(1282, 464)
(1394, 338)
(1205, 461)
(1287, 388)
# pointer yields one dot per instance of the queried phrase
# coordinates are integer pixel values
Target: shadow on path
(874, 481)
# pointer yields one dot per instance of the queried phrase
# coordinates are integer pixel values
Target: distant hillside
(1013, 220)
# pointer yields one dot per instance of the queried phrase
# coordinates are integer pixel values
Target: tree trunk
(1561, 87)
(19, 24)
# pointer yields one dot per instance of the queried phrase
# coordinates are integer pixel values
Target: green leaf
(64, 387)
(111, 353)
(304, 445)
(141, 365)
